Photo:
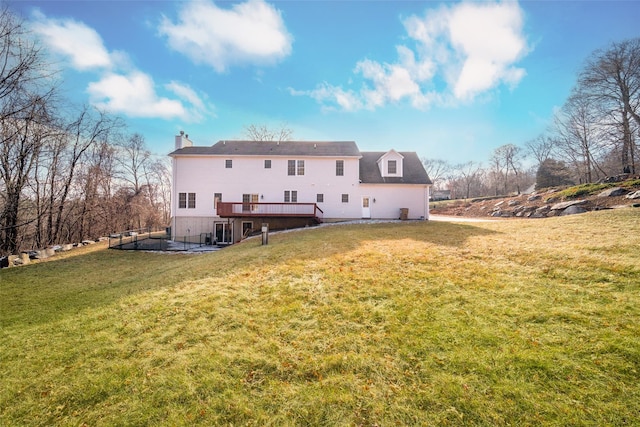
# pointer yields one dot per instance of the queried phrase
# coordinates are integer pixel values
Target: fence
(156, 240)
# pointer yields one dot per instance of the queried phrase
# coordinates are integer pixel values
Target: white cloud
(328, 94)
(133, 95)
(120, 89)
(249, 33)
(489, 37)
(461, 51)
(74, 40)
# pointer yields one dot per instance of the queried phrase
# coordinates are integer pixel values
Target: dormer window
(390, 164)
(392, 167)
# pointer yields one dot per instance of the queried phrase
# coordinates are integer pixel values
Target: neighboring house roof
(275, 148)
(413, 170)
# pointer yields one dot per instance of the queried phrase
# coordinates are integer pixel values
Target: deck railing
(248, 209)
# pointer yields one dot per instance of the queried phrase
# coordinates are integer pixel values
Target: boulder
(633, 196)
(533, 198)
(513, 203)
(564, 205)
(613, 192)
(573, 210)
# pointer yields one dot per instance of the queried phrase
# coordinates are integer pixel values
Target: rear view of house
(229, 189)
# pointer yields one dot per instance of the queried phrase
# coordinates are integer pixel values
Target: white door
(366, 209)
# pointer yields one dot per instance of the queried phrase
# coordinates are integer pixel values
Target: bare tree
(508, 156)
(467, 180)
(611, 79)
(262, 132)
(438, 170)
(540, 148)
(579, 136)
(26, 94)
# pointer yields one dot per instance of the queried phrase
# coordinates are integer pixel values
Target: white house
(227, 190)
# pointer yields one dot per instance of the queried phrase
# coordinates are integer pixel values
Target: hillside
(547, 202)
(408, 323)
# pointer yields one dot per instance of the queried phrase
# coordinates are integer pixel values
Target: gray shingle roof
(413, 170)
(274, 148)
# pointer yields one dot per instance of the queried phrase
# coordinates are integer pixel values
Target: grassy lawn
(523, 322)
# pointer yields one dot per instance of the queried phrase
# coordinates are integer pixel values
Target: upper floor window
(345, 198)
(267, 164)
(319, 198)
(186, 200)
(228, 163)
(392, 167)
(290, 196)
(295, 167)
(217, 198)
(339, 167)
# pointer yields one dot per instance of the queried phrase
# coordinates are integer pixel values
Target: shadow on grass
(47, 291)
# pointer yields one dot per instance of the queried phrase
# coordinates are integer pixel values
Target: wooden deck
(270, 210)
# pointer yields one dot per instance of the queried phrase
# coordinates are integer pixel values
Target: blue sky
(449, 80)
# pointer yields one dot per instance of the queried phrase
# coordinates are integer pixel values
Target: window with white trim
(295, 167)
(217, 198)
(182, 200)
(392, 167)
(345, 198)
(191, 202)
(228, 164)
(319, 198)
(267, 164)
(339, 167)
(290, 196)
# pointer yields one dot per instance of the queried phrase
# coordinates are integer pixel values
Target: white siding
(206, 175)
(390, 198)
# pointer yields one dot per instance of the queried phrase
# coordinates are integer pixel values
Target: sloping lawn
(526, 322)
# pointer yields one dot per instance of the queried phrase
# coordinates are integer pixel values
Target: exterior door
(222, 233)
(249, 202)
(366, 208)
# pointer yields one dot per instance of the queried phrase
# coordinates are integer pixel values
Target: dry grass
(502, 323)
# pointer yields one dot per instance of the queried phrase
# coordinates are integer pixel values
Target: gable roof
(275, 148)
(413, 170)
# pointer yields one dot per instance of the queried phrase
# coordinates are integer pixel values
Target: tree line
(593, 136)
(67, 173)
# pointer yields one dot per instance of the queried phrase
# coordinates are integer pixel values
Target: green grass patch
(416, 323)
(584, 190)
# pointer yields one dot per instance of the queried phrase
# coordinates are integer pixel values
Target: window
(290, 196)
(192, 201)
(345, 198)
(319, 198)
(392, 167)
(247, 228)
(267, 164)
(295, 167)
(228, 163)
(182, 200)
(339, 167)
(217, 198)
